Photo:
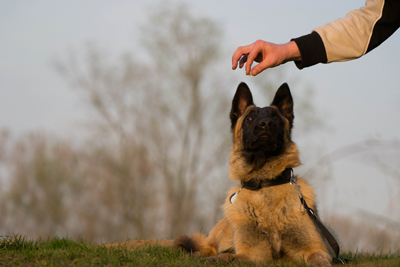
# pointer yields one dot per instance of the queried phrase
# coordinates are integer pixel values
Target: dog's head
(261, 133)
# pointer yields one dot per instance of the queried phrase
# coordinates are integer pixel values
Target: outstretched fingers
(248, 54)
(240, 54)
(243, 60)
(269, 55)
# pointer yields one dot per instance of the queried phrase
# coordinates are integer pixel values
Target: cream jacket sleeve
(349, 38)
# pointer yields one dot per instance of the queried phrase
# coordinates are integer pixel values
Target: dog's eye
(274, 115)
(249, 118)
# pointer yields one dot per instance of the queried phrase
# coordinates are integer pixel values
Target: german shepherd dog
(263, 223)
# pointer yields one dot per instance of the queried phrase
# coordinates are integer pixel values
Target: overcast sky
(361, 97)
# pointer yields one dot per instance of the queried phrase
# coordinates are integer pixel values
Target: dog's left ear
(284, 102)
(242, 99)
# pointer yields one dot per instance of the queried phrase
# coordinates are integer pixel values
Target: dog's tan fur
(264, 225)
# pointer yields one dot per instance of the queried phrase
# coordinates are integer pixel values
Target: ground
(138, 244)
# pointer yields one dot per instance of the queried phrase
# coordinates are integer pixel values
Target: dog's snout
(265, 124)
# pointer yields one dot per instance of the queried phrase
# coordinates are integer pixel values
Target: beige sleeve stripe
(348, 38)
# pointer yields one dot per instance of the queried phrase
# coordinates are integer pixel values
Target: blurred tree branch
(157, 122)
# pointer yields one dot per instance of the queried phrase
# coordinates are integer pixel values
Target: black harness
(287, 177)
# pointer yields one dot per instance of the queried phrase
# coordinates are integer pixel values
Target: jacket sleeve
(351, 37)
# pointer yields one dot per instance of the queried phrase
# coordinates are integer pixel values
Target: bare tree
(160, 136)
(184, 50)
(45, 180)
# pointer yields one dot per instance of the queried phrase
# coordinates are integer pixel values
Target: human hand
(268, 55)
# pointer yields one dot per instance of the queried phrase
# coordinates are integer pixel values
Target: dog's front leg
(251, 244)
(319, 258)
(315, 255)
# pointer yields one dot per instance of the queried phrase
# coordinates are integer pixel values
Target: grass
(18, 251)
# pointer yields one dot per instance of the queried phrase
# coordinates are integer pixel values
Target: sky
(361, 98)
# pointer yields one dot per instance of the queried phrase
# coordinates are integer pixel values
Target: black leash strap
(325, 232)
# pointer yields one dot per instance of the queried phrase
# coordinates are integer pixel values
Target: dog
(264, 220)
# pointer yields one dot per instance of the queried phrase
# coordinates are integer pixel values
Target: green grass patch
(18, 251)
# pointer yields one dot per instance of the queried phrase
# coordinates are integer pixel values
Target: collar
(282, 178)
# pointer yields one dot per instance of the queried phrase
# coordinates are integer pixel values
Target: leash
(325, 232)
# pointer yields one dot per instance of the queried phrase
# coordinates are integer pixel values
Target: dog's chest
(261, 207)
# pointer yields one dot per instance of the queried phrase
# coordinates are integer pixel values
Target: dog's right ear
(242, 99)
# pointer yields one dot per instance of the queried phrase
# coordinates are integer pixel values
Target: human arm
(349, 38)
(344, 39)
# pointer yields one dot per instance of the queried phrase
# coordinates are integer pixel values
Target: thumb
(260, 67)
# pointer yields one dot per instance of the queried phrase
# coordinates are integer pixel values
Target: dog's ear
(242, 99)
(284, 102)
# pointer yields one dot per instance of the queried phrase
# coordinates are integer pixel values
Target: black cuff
(312, 50)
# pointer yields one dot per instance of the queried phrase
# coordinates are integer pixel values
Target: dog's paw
(317, 259)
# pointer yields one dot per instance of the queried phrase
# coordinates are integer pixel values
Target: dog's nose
(264, 124)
